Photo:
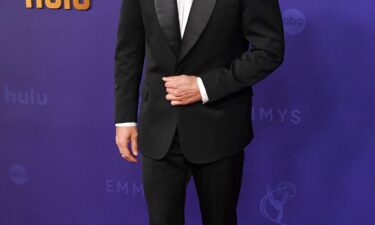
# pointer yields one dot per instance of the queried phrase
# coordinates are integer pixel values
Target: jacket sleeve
(262, 26)
(129, 59)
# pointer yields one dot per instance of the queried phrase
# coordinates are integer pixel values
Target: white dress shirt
(183, 7)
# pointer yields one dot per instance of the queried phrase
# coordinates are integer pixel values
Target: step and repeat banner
(311, 161)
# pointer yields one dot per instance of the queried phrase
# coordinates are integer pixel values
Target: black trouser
(217, 183)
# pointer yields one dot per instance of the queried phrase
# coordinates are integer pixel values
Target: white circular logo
(17, 174)
(294, 21)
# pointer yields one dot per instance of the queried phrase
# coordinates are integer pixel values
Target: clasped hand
(182, 89)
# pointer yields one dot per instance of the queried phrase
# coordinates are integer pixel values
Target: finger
(174, 82)
(173, 97)
(129, 157)
(168, 78)
(134, 146)
(125, 152)
(174, 92)
(171, 84)
(177, 102)
(169, 96)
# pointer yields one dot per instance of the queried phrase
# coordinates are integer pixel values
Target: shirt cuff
(202, 90)
(127, 124)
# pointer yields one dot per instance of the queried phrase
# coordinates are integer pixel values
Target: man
(196, 95)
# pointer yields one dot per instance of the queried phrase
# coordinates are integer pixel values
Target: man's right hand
(124, 135)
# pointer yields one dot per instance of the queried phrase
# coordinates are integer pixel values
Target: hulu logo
(30, 97)
(58, 4)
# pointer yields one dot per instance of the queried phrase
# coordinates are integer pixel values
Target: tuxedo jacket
(230, 44)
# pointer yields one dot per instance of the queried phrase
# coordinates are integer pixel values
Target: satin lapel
(167, 13)
(199, 15)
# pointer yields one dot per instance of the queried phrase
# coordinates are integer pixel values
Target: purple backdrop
(311, 162)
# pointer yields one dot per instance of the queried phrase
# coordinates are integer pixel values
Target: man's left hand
(182, 89)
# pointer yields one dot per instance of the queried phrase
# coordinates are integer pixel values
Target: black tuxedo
(215, 47)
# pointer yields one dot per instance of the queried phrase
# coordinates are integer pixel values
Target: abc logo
(294, 21)
(18, 174)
